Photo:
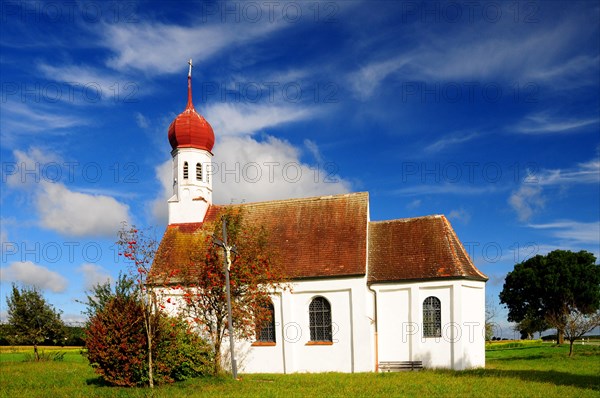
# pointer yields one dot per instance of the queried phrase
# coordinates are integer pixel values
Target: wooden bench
(397, 366)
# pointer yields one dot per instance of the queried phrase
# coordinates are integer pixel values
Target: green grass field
(528, 370)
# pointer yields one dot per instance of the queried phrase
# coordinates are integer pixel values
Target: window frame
(269, 325)
(321, 332)
(198, 171)
(432, 317)
(185, 170)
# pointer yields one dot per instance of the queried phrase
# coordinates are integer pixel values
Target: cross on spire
(191, 66)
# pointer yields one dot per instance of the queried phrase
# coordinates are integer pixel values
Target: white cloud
(78, 214)
(526, 201)
(414, 204)
(32, 274)
(544, 123)
(573, 231)
(93, 275)
(450, 140)
(313, 148)
(155, 48)
(584, 173)
(29, 165)
(498, 53)
(141, 120)
(19, 119)
(256, 171)
(158, 206)
(365, 81)
(270, 169)
(61, 209)
(242, 119)
(96, 84)
(447, 188)
(460, 215)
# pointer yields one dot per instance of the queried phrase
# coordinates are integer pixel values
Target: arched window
(198, 172)
(266, 332)
(185, 170)
(432, 317)
(320, 319)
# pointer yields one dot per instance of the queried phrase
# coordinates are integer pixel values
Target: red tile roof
(313, 237)
(327, 237)
(416, 249)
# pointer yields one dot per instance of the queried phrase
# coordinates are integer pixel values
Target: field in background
(531, 369)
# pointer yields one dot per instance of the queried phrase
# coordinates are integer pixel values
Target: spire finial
(190, 104)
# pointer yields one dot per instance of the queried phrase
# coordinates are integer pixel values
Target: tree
(253, 278)
(32, 320)
(116, 340)
(138, 247)
(530, 325)
(551, 287)
(101, 294)
(576, 324)
(491, 311)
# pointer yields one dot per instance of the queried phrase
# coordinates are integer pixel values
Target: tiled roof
(327, 237)
(416, 249)
(313, 237)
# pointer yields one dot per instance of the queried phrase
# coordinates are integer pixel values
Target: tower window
(198, 172)
(185, 170)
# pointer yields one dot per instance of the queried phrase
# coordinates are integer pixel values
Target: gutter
(375, 322)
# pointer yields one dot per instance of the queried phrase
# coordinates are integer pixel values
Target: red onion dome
(190, 129)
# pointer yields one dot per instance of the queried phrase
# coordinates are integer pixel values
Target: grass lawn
(533, 370)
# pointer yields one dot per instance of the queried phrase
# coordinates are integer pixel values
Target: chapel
(364, 293)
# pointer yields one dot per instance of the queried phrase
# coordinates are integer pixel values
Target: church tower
(192, 139)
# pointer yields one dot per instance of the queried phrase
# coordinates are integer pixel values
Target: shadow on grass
(519, 358)
(98, 382)
(544, 376)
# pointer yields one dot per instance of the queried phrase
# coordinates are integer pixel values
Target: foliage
(529, 326)
(31, 319)
(117, 347)
(491, 311)
(102, 293)
(550, 287)
(253, 277)
(576, 324)
(138, 247)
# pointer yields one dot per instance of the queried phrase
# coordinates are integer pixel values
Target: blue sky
(487, 112)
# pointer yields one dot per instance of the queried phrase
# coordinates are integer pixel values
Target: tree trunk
(36, 354)
(217, 360)
(150, 370)
(561, 336)
(571, 347)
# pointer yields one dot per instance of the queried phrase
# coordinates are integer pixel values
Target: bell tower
(192, 139)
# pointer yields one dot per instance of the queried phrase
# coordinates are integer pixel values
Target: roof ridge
(408, 219)
(462, 249)
(305, 199)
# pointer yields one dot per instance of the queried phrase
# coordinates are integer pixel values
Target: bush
(117, 346)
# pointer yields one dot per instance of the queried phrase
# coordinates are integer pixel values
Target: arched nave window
(432, 317)
(320, 319)
(266, 332)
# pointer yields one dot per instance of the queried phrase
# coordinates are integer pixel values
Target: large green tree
(552, 287)
(31, 319)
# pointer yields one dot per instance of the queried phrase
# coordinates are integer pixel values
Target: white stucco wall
(182, 206)
(400, 320)
(351, 349)
(400, 334)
